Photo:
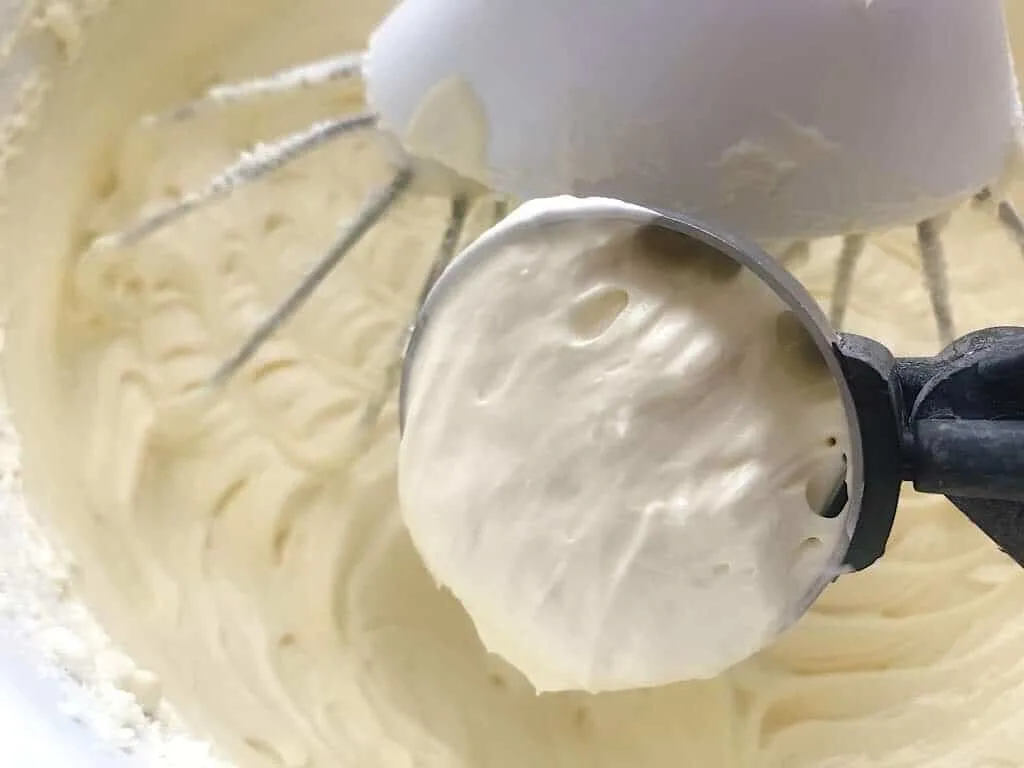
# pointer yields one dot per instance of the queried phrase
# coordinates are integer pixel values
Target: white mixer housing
(775, 118)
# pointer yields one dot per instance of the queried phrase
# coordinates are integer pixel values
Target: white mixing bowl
(36, 732)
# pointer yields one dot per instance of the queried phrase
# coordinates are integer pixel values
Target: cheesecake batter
(248, 549)
(617, 450)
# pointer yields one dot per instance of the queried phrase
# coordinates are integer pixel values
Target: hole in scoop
(809, 546)
(593, 314)
(722, 569)
(826, 490)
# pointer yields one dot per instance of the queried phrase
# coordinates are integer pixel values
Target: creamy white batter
(617, 447)
(249, 550)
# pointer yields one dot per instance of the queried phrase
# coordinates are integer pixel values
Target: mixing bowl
(247, 550)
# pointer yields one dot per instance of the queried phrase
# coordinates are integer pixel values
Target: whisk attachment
(308, 75)
(450, 240)
(933, 268)
(373, 209)
(1007, 214)
(1011, 219)
(253, 165)
(853, 250)
(936, 278)
(449, 244)
(263, 159)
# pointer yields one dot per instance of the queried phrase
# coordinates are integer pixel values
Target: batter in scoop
(618, 449)
(250, 550)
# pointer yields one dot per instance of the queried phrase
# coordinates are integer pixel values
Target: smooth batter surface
(617, 448)
(249, 550)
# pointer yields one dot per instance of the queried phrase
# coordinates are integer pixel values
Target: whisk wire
(1011, 219)
(449, 246)
(849, 257)
(933, 265)
(373, 209)
(253, 165)
(308, 75)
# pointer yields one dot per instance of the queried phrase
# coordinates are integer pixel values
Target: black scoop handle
(952, 424)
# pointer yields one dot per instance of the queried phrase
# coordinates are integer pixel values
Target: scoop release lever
(952, 424)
